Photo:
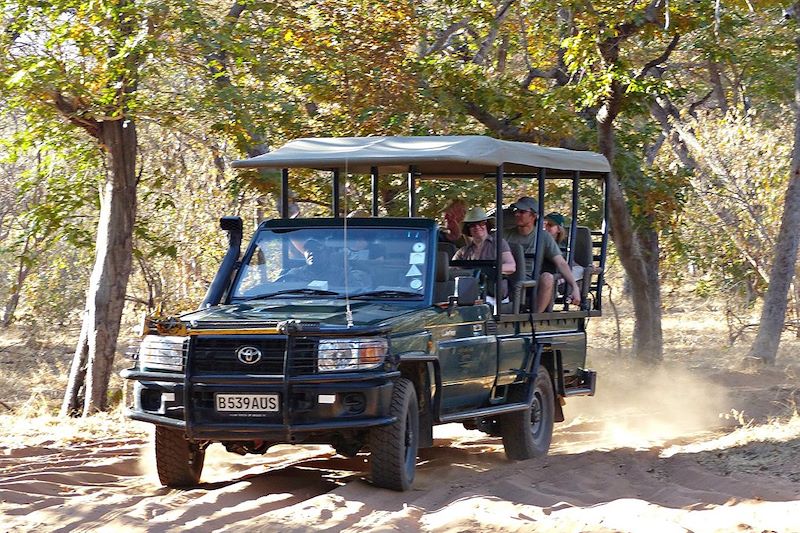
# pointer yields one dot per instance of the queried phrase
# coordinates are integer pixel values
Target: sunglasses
(473, 224)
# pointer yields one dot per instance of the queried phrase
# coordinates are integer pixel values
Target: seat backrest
(508, 219)
(443, 287)
(583, 246)
(448, 247)
(442, 266)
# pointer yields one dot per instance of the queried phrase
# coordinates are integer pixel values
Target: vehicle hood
(327, 313)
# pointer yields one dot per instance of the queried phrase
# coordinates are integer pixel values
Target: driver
(315, 266)
(322, 263)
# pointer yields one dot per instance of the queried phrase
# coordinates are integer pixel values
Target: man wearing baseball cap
(524, 232)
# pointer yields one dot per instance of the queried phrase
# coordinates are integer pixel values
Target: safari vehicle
(360, 334)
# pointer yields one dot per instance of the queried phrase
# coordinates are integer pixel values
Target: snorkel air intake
(233, 225)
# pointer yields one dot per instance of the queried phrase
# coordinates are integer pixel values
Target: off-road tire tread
(515, 428)
(387, 443)
(173, 453)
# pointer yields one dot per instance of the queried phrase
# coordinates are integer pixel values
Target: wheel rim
(536, 415)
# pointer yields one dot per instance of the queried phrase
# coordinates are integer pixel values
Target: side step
(588, 380)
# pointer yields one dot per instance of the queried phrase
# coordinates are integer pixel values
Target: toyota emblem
(248, 355)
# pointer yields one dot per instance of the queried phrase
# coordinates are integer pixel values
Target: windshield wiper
(388, 293)
(314, 292)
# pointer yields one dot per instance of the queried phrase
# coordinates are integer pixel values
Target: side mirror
(467, 290)
(231, 224)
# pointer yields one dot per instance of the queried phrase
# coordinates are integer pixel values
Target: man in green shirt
(524, 233)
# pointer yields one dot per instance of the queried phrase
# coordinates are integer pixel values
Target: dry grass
(34, 369)
(33, 425)
(776, 430)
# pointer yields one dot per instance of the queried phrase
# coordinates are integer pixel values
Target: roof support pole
(284, 193)
(373, 175)
(336, 212)
(537, 263)
(412, 191)
(573, 227)
(498, 237)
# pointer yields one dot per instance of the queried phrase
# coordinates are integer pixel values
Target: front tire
(394, 447)
(528, 433)
(179, 462)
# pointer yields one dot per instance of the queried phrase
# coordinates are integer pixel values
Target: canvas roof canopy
(430, 155)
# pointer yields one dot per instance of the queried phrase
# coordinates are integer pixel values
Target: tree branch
(71, 107)
(502, 127)
(660, 59)
(553, 73)
(502, 11)
(695, 105)
(687, 148)
(444, 37)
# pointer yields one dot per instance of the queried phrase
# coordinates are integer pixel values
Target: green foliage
(207, 84)
(88, 57)
(52, 207)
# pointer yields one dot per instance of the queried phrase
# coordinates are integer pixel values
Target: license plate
(247, 403)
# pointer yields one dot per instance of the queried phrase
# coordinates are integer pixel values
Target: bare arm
(509, 265)
(566, 273)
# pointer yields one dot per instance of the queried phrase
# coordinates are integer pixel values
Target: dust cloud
(641, 407)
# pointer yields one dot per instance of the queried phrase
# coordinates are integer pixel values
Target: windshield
(380, 263)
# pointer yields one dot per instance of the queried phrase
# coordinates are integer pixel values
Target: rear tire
(528, 433)
(394, 447)
(178, 461)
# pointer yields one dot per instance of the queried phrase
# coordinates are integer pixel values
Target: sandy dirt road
(659, 461)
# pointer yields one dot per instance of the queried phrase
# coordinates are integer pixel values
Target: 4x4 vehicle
(358, 333)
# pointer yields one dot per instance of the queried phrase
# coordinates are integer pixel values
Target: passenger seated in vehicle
(358, 246)
(525, 216)
(360, 249)
(477, 224)
(554, 225)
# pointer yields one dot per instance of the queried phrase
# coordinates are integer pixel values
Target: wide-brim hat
(476, 214)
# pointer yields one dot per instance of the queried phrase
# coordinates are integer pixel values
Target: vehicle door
(467, 358)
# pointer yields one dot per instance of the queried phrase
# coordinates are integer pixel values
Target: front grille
(218, 355)
(303, 356)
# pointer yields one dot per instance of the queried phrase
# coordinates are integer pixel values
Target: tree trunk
(23, 270)
(106, 294)
(72, 403)
(645, 290)
(773, 314)
(652, 341)
(16, 292)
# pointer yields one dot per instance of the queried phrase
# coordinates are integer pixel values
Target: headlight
(351, 354)
(163, 353)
